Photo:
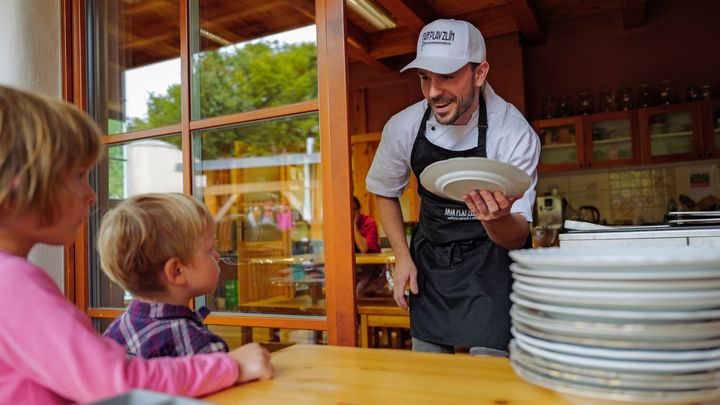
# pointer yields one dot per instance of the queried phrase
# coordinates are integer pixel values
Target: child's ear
(174, 272)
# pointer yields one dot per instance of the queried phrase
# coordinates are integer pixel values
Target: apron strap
(482, 124)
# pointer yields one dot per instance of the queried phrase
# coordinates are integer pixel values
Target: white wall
(30, 55)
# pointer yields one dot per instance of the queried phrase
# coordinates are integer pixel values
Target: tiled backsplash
(638, 195)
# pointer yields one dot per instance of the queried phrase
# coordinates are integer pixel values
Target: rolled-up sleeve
(390, 169)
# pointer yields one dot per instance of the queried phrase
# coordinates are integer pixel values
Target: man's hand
(253, 362)
(488, 206)
(405, 271)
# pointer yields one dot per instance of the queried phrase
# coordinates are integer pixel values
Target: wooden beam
(527, 21)
(410, 14)
(356, 38)
(633, 14)
(492, 22)
(358, 48)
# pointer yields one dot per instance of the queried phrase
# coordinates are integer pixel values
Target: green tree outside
(255, 76)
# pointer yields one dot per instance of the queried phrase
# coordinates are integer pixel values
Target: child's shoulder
(18, 275)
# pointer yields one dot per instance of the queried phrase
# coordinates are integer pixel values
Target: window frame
(332, 107)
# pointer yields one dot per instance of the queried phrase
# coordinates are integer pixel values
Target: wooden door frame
(332, 105)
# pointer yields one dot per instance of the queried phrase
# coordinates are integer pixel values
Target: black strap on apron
(463, 277)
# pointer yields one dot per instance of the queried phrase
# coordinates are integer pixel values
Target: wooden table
(307, 374)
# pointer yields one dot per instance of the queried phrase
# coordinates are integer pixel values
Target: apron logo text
(454, 214)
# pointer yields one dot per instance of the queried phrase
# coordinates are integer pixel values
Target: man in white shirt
(457, 266)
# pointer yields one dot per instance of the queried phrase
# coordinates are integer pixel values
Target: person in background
(365, 232)
(160, 248)
(49, 351)
(457, 266)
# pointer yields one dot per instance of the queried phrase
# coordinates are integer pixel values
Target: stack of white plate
(619, 325)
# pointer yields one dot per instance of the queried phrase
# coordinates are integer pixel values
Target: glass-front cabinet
(613, 139)
(562, 144)
(671, 132)
(711, 120)
(219, 99)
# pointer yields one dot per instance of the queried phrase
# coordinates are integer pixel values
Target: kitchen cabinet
(671, 133)
(660, 134)
(562, 144)
(613, 139)
(711, 127)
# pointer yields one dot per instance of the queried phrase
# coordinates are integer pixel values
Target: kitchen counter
(660, 235)
(306, 374)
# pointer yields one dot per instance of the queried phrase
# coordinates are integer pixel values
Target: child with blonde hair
(49, 351)
(159, 247)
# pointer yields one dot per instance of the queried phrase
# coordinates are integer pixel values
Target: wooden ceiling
(149, 31)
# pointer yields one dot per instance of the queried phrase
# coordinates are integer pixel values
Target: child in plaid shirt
(159, 247)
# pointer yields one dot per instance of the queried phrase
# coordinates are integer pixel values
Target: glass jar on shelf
(548, 107)
(646, 96)
(585, 103)
(666, 95)
(706, 91)
(692, 93)
(607, 101)
(625, 98)
(563, 107)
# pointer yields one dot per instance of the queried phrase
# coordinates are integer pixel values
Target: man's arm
(392, 221)
(493, 209)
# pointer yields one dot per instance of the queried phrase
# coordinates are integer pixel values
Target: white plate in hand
(451, 178)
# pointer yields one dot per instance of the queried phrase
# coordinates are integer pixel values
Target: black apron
(463, 277)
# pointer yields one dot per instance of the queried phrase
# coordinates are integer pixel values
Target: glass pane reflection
(261, 182)
(558, 144)
(612, 139)
(272, 338)
(135, 74)
(147, 166)
(671, 133)
(246, 58)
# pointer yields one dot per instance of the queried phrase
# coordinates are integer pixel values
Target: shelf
(671, 134)
(559, 146)
(614, 140)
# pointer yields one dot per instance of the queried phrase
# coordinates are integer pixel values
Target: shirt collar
(142, 309)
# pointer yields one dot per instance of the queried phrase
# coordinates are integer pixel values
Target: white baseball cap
(444, 46)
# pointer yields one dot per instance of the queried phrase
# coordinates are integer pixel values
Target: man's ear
(481, 73)
(174, 272)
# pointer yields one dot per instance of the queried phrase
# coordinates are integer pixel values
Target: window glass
(261, 182)
(246, 58)
(272, 338)
(146, 166)
(135, 64)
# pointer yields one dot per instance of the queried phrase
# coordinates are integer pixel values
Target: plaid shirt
(158, 330)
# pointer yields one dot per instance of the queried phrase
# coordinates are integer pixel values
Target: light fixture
(214, 37)
(371, 14)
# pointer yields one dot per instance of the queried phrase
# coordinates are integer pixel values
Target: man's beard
(464, 104)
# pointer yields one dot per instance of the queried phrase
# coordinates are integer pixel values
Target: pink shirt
(50, 354)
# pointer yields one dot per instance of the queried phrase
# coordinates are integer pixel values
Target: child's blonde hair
(41, 142)
(142, 233)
